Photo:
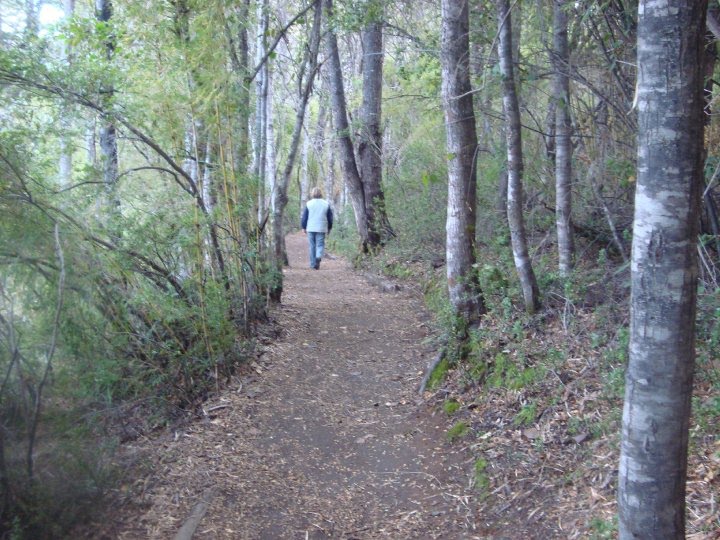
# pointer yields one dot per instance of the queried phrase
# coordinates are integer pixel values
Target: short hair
(316, 193)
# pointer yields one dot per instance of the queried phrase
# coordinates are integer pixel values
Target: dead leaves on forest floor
(550, 448)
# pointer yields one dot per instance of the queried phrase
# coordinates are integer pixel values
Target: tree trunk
(108, 135)
(270, 142)
(65, 160)
(515, 163)
(370, 139)
(346, 151)
(91, 141)
(242, 68)
(658, 384)
(280, 199)
(32, 21)
(304, 177)
(260, 144)
(465, 295)
(563, 132)
(329, 152)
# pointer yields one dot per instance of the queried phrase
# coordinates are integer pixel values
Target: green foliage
(438, 374)
(506, 373)
(457, 431)
(481, 480)
(603, 529)
(527, 415)
(160, 294)
(451, 406)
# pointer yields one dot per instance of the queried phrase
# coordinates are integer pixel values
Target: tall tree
(465, 295)
(261, 90)
(306, 76)
(363, 180)
(369, 148)
(658, 384)
(65, 161)
(108, 133)
(563, 130)
(511, 107)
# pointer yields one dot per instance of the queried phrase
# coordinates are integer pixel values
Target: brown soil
(324, 436)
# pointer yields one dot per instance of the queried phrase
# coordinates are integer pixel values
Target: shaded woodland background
(153, 154)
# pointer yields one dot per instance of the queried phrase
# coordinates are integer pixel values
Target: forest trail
(327, 437)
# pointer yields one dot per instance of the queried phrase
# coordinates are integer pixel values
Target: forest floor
(326, 436)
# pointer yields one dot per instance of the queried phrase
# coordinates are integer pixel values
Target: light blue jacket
(317, 216)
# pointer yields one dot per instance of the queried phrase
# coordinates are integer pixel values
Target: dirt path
(326, 439)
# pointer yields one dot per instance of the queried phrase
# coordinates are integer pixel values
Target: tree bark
(304, 174)
(563, 132)
(108, 134)
(259, 141)
(463, 287)
(658, 383)
(515, 161)
(370, 138)
(329, 152)
(65, 160)
(345, 147)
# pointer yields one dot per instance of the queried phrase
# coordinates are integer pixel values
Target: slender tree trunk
(515, 162)
(108, 134)
(329, 159)
(270, 141)
(342, 129)
(370, 139)
(307, 74)
(32, 22)
(91, 141)
(658, 384)
(563, 132)
(209, 190)
(260, 142)
(65, 161)
(304, 177)
(243, 143)
(465, 295)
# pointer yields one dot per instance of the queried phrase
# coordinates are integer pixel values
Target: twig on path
(215, 408)
(414, 472)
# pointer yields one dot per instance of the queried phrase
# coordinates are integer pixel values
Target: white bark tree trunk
(329, 159)
(108, 133)
(515, 161)
(658, 383)
(65, 161)
(260, 141)
(465, 295)
(304, 177)
(270, 142)
(563, 132)
(91, 141)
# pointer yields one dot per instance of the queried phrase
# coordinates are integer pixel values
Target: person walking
(317, 222)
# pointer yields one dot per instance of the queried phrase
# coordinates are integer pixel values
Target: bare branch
(278, 39)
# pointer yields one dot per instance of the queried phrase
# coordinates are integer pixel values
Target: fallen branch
(431, 367)
(187, 531)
